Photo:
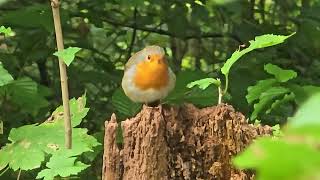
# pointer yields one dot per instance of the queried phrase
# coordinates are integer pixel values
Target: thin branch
(63, 74)
(5, 170)
(220, 95)
(167, 33)
(134, 33)
(19, 174)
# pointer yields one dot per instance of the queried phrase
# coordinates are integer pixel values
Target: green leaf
(24, 92)
(204, 83)
(37, 15)
(303, 93)
(259, 42)
(255, 91)
(67, 55)
(268, 156)
(280, 74)
(308, 113)
(286, 98)
(181, 94)
(5, 77)
(124, 105)
(6, 31)
(266, 98)
(30, 143)
(61, 165)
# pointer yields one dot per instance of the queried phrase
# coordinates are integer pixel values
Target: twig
(63, 74)
(134, 33)
(220, 95)
(19, 174)
(5, 170)
(163, 32)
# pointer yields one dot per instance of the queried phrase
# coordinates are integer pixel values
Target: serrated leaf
(67, 55)
(280, 74)
(255, 91)
(5, 77)
(259, 42)
(204, 83)
(268, 156)
(266, 98)
(286, 98)
(6, 31)
(61, 165)
(124, 105)
(24, 92)
(30, 143)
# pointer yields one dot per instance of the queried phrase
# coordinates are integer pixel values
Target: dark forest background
(198, 36)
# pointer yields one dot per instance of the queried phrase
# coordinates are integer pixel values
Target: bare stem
(63, 74)
(19, 174)
(226, 84)
(220, 95)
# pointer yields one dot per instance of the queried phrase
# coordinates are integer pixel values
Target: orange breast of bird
(151, 75)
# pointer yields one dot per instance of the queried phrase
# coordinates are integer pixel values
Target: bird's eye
(149, 57)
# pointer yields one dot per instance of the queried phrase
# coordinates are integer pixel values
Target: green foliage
(254, 92)
(204, 83)
(280, 74)
(200, 34)
(6, 31)
(266, 98)
(67, 55)
(30, 143)
(301, 159)
(36, 15)
(61, 165)
(272, 93)
(259, 42)
(124, 105)
(182, 94)
(308, 114)
(5, 77)
(25, 93)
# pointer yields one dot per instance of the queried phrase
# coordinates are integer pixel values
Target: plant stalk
(63, 74)
(220, 95)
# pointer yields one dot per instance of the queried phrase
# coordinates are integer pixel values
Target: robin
(147, 77)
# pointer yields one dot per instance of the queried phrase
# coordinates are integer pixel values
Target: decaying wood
(179, 143)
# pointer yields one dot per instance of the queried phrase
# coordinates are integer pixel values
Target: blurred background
(198, 36)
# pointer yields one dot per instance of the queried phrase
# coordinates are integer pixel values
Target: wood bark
(179, 143)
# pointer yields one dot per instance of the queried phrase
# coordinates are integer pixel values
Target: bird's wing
(133, 59)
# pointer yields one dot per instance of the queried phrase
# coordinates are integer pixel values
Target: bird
(147, 76)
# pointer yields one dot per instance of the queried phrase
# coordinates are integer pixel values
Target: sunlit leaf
(280, 74)
(204, 83)
(308, 113)
(30, 143)
(259, 42)
(6, 31)
(182, 94)
(61, 165)
(67, 55)
(5, 77)
(268, 156)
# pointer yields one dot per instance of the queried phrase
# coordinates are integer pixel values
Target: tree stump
(179, 143)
